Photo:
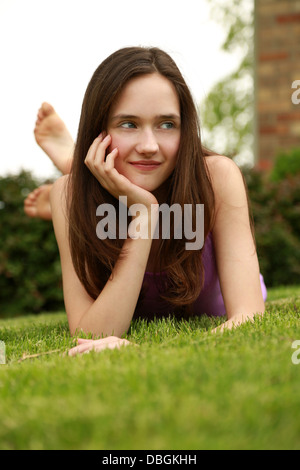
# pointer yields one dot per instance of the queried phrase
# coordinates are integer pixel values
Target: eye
(167, 125)
(128, 125)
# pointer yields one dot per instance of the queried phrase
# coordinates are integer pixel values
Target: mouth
(146, 165)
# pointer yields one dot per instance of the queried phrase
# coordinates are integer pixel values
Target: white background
(50, 49)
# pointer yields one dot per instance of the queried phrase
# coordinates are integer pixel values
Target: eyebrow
(171, 116)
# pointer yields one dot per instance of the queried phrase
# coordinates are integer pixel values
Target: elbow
(96, 331)
(98, 321)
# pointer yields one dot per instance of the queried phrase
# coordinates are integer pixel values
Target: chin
(148, 187)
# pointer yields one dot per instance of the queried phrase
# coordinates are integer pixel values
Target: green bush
(276, 213)
(286, 164)
(30, 274)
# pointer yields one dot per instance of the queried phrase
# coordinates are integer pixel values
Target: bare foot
(54, 138)
(37, 203)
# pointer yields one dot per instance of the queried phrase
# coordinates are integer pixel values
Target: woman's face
(144, 124)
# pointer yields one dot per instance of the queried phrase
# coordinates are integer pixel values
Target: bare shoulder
(227, 180)
(220, 166)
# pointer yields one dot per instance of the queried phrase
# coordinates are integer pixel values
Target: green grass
(182, 388)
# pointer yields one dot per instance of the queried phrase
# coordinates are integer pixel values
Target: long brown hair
(189, 183)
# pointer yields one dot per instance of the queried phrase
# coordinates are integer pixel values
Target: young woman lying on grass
(139, 138)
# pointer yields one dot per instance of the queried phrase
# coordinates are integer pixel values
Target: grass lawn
(181, 388)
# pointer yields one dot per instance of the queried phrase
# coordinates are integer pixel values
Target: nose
(147, 144)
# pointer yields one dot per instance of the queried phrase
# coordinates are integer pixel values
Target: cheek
(114, 144)
(173, 149)
(123, 152)
(122, 145)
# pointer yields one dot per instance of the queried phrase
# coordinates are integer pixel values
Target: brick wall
(277, 44)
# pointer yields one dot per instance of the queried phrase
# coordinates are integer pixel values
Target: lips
(146, 165)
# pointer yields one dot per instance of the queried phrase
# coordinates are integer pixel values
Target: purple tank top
(209, 302)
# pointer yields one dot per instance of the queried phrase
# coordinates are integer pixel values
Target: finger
(100, 155)
(80, 349)
(118, 344)
(93, 149)
(99, 345)
(82, 340)
(93, 152)
(96, 155)
(110, 159)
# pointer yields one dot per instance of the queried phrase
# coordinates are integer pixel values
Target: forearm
(112, 311)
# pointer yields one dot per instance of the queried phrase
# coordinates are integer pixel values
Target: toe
(30, 210)
(47, 109)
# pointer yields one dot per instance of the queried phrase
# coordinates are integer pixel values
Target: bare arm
(112, 311)
(235, 249)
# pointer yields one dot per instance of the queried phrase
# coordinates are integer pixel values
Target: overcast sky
(50, 49)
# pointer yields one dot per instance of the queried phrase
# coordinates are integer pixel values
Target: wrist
(143, 221)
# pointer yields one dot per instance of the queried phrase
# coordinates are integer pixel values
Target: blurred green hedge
(30, 273)
(286, 164)
(276, 213)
